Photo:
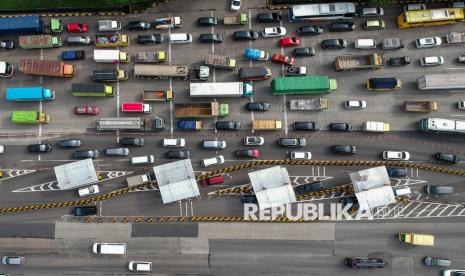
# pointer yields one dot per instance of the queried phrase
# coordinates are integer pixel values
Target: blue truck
(256, 54)
(190, 125)
(21, 25)
(73, 55)
(29, 94)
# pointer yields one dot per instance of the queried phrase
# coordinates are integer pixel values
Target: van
(214, 180)
(180, 38)
(140, 266)
(433, 189)
(365, 43)
(142, 160)
(213, 144)
(208, 162)
(109, 248)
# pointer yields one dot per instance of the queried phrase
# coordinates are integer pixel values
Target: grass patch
(57, 4)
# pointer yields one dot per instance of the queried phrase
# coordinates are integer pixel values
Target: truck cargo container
(221, 62)
(29, 94)
(440, 125)
(161, 71)
(355, 62)
(92, 90)
(308, 104)
(131, 123)
(110, 56)
(237, 19)
(256, 54)
(138, 180)
(6, 69)
(370, 126)
(49, 68)
(221, 89)
(445, 81)
(267, 125)
(73, 55)
(109, 75)
(200, 110)
(303, 85)
(190, 125)
(111, 40)
(30, 117)
(420, 106)
(109, 25)
(454, 38)
(168, 23)
(136, 107)
(32, 24)
(381, 84)
(150, 57)
(157, 96)
(39, 42)
(416, 239)
(254, 73)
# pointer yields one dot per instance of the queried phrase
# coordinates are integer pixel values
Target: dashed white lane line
(286, 130)
(171, 87)
(251, 99)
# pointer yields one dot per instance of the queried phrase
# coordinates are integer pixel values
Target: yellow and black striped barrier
(183, 219)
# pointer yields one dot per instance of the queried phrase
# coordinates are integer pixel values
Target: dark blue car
(73, 55)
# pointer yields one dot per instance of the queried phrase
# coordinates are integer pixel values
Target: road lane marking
(251, 99)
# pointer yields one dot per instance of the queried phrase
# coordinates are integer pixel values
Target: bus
(439, 125)
(319, 12)
(431, 17)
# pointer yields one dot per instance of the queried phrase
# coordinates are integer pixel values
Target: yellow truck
(111, 40)
(267, 125)
(416, 239)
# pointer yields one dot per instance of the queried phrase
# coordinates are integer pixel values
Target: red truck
(136, 107)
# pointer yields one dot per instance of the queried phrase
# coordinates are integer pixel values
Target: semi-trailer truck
(111, 40)
(221, 62)
(49, 68)
(444, 81)
(200, 110)
(110, 56)
(303, 85)
(39, 42)
(136, 107)
(30, 117)
(109, 75)
(221, 89)
(92, 90)
(356, 62)
(29, 94)
(131, 123)
(32, 24)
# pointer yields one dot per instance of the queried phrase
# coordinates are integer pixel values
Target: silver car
(372, 12)
(13, 260)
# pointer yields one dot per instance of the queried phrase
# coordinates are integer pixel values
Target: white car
(217, 160)
(235, 5)
(253, 141)
(140, 266)
(428, 42)
(461, 105)
(432, 61)
(301, 155)
(396, 155)
(273, 31)
(89, 190)
(174, 142)
(355, 104)
(2, 149)
(453, 272)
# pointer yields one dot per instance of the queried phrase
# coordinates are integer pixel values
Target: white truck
(370, 126)
(308, 104)
(110, 56)
(138, 179)
(221, 89)
(109, 25)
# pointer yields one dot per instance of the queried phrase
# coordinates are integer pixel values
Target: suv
(138, 25)
(392, 43)
(136, 142)
(308, 126)
(396, 155)
(80, 154)
(209, 38)
(228, 125)
(39, 148)
(446, 158)
(150, 39)
(300, 155)
(304, 52)
(340, 127)
(309, 187)
(344, 149)
(117, 151)
(310, 30)
(245, 35)
(428, 42)
(333, 44)
(269, 17)
(78, 40)
(292, 142)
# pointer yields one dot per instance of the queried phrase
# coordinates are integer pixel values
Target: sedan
(461, 105)
(341, 26)
(245, 35)
(304, 52)
(89, 190)
(227, 125)
(340, 127)
(268, 17)
(434, 261)
(7, 44)
(355, 104)
(307, 126)
(300, 155)
(333, 44)
(77, 28)
(310, 30)
(273, 31)
(235, 5)
(86, 110)
(253, 141)
(13, 260)
(292, 142)
(247, 153)
(207, 21)
(138, 25)
(209, 38)
(39, 148)
(81, 154)
(344, 149)
(446, 158)
(281, 59)
(289, 41)
(258, 106)
(396, 155)
(428, 42)
(178, 154)
(69, 143)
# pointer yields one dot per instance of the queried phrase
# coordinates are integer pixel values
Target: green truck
(30, 117)
(303, 85)
(39, 41)
(92, 90)
(56, 26)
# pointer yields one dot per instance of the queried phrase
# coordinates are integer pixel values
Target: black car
(304, 52)
(292, 142)
(138, 25)
(396, 172)
(81, 154)
(340, 127)
(245, 35)
(310, 30)
(309, 187)
(207, 21)
(247, 153)
(341, 26)
(344, 149)
(446, 158)
(7, 45)
(150, 39)
(178, 154)
(333, 44)
(269, 17)
(249, 199)
(135, 142)
(228, 125)
(69, 143)
(258, 106)
(208, 38)
(84, 211)
(307, 126)
(39, 148)
(399, 61)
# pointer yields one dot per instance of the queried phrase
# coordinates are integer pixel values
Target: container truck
(111, 40)
(303, 85)
(200, 110)
(221, 62)
(21, 25)
(150, 57)
(109, 25)
(356, 62)
(236, 19)
(254, 73)
(30, 117)
(454, 38)
(161, 71)
(445, 81)
(49, 68)
(131, 123)
(370, 126)
(157, 96)
(136, 107)
(440, 125)
(92, 90)
(383, 84)
(256, 54)
(39, 42)
(168, 23)
(416, 239)
(73, 55)
(29, 94)
(308, 104)
(190, 125)
(110, 56)
(267, 125)
(138, 179)
(109, 75)
(221, 89)
(6, 69)
(420, 106)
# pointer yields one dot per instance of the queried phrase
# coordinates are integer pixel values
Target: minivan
(142, 160)
(181, 38)
(213, 144)
(217, 160)
(78, 40)
(117, 151)
(109, 248)
(365, 43)
(433, 189)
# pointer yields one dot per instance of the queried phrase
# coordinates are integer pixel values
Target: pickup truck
(238, 19)
(150, 57)
(109, 25)
(190, 125)
(356, 62)
(420, 106)
(168, 23)
(157, 96)
(308, 104)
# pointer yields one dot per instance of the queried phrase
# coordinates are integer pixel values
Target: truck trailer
(356, 62)
(48, 68)
(267, 125)
(21, 25)
(30, 117)
(200, 110)
(161, 71)
(420, 106)
(190, 125)
(111, 40)
(150, 57)
(110, 56)
(92, 90)
(383, 84)
(308, 104)
(109, 75)
(39, 42)
(136, 107)
(158, 96)
(29, 94)
(445, 81)
(221, 89)
(221, 62)
(303, 85)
